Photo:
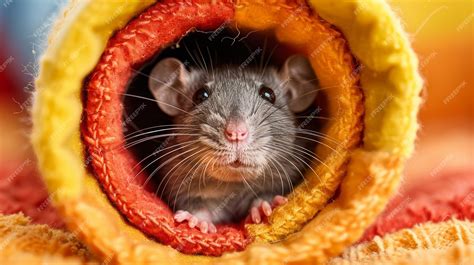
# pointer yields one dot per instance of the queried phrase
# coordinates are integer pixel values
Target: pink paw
(203, 224)
(261, 208)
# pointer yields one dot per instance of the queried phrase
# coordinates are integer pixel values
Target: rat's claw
(262, 208)
(255, 214)
(279, 200)
(193, 221)
(266, 208)
(207, 227)
(181, 216)
(203, 226)
(212, 228)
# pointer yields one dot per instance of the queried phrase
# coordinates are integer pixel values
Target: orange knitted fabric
(132, 46)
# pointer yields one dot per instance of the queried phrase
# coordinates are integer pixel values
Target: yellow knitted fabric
(23, 243)
(390, 83)
(450, 242)
(389, 75)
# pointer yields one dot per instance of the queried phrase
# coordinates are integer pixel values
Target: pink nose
(236, 131)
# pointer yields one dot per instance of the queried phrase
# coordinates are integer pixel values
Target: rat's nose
(236, 131)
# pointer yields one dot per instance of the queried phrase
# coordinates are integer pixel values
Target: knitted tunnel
(116, 218)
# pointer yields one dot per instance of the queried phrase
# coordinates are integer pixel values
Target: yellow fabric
(391, 86)
(70, 56)
(450, 242)
(23, 243)
(389, 76)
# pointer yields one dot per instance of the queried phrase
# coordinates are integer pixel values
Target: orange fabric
(138, 42)
(389, 68)
(430, 199)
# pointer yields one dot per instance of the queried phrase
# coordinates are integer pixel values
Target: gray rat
(234, 152)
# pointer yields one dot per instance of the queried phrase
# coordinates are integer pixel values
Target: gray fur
(205, 180)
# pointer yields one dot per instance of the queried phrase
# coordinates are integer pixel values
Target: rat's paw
(261, 208)
(203, 224)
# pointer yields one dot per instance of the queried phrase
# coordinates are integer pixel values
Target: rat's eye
(267, 94)
(201, 95)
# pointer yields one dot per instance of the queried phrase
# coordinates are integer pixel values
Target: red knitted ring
(160, 25)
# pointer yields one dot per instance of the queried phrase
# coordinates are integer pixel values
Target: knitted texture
(389, 75)
(23, 243)
(450, 242)
(134, 44)
(103, 134)
(433, 199)
(390, 83)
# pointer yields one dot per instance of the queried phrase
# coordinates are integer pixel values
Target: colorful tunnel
(357, 48)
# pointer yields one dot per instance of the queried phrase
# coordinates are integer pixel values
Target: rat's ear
(301, 82)
(167, 83)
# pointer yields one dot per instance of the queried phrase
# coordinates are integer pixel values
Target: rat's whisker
(161, 126)
(317, 134)
(289, 161)
(202, 175)
(313, 90)
(285, 119)
(150, 99)
(164, 163)
(271, 160)
(313, 117)
(268, 60)
(202, 57)
(192, 170)
(178, 129)
(262, 127)
(192, 58)
(282, 147)
(163, 83)
(249, 186)
(161, 164)
(211, 63)
(287, 176)
(319, 142)
(128, 145)
(279, 108)
(168, 176)
(292, 164)
(271, 113)
(178, 147)
(256, 106)
(262, 57)
(156, 101)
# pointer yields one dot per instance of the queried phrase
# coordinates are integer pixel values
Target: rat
(234, 151)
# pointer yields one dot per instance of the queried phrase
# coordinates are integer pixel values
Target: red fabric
(157, 27)
(11, 76)
(22, 190)
(160, 25)
(21, 187)
(434, 199)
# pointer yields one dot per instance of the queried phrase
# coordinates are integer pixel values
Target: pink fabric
(434, 199)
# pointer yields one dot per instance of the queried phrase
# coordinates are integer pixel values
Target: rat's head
(239, 120)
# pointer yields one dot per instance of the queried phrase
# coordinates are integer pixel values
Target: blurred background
(442, 33)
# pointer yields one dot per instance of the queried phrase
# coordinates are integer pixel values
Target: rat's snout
(236, 131)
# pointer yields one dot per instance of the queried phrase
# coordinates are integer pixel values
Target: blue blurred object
(26, 24)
